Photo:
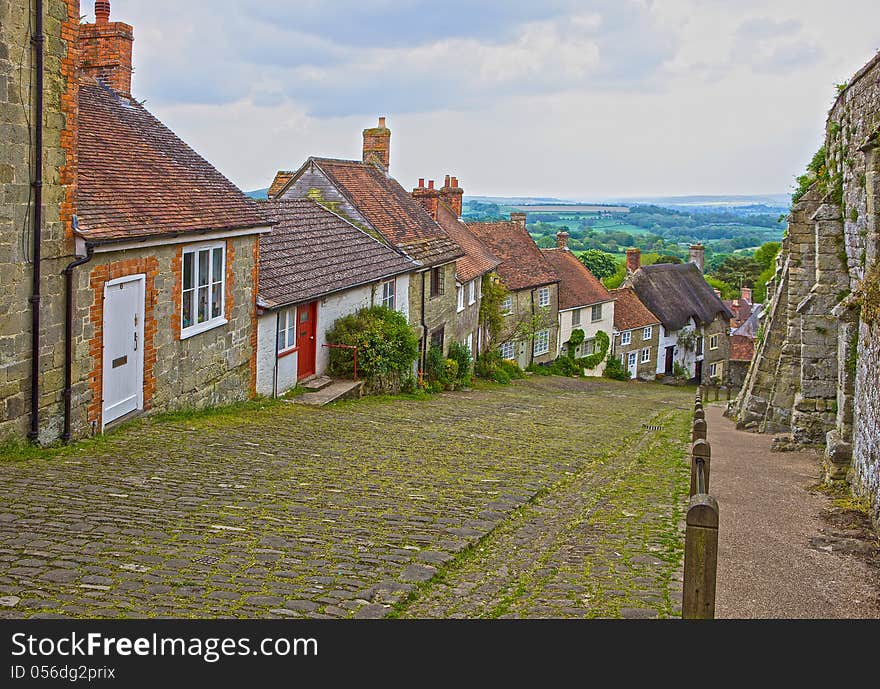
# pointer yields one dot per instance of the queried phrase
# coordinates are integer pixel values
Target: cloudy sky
(569, 98)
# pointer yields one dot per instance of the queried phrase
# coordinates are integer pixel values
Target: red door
(306, 327)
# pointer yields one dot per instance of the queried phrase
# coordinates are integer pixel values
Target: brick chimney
(428, 196)
(633, 260)
(746, 294)
(377, 145)
(519, 219)
(562, 240)
(697, 252)
(452, 194)
(105, 49)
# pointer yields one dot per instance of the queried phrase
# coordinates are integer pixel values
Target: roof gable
(313, 252)
(676, 293)
(577, 285)
(522, 263)
(136, 178)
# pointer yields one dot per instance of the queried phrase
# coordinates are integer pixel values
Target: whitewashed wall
(590, 328)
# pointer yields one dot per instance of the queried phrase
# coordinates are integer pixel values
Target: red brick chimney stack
(633, 260)
(452, 194)
(697, 253)
(105, 50)
(746, 294)
(562, 240)
(519, 219)
(428, 196)
(377, 145)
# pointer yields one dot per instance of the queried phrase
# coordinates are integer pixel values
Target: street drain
(649, 427)
(206, 559)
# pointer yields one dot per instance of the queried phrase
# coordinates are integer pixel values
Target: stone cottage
(816, 369)
(584, 303)
(363, 192)
(743, 332)
(316, 266)
(531, 331)
(695, 324)
(636, 338)
(160, 301)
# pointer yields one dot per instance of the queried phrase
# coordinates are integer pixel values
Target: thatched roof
(676, 293)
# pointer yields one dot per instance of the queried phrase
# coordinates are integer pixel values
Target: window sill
(287, 352)
(202, 327)
(459, 309)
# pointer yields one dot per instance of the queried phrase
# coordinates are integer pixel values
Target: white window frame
(575, 318)
(508, 347)
(626, 337)
(542, 342)
(459, 295)
(216, 321)
(507, 305)
(287, 324)
(647, 332)
(631, 359)
(384, 298)
(593, 318)
(713, 370)
(472, 292)
(713, 342)
(469, 343)
(646, 355)
(544, 297)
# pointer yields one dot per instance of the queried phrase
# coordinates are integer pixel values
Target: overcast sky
(569, 98)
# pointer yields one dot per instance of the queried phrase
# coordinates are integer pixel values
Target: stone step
(316, 383)
(337, 390)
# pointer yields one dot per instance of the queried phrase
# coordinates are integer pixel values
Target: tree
(668, 258)
(493, 294)
(599, 263)
(739, 270)
(766, 253)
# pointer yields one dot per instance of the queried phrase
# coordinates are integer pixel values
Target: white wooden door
(632, 364)
(123, 378)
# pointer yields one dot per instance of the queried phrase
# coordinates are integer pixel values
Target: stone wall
(720, 355)
(816, 372)
(440, 311)
(525, 304)
(16, 267)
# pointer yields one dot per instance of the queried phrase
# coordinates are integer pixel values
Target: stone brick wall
(440, 311)
(646, 370)
(816, 372)
(213, 367)
(721, 354)
(525, 304)
(16, 119)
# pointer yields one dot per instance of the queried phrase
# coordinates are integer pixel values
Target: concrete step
(337, 390)
(316, 383)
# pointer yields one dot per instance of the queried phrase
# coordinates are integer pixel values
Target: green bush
(461, 354)
(679, 371)
(490, 366)
(616, 370)
(435, 365)
(386, 347)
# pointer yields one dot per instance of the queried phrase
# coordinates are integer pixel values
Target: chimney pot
(421, 182)
(430, 184)
(102, 11)
(455, 182)
(519, 218)
(381, 123)
(562, 240)
(746, 294)
(633, 260)
(446, 181)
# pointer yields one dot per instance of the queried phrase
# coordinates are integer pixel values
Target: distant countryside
(741, 240)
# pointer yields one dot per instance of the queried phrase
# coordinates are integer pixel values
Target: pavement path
(785, 550)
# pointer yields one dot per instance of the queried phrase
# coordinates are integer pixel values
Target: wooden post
(699, 430)
(701, 451)
(700, 559)
(716, 393)
(699, 414)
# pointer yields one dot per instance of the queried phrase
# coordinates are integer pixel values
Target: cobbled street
(551, 497)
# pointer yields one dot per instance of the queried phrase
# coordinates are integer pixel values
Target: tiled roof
(522, 263)
(477, 259)
(577, 285)
(741, 348)
(629, 311)
(391, 210)
(312, 252)
(741, 310)
(677, 292)
(138, 179)
(281, 179)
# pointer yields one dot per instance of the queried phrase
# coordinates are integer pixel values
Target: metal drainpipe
(67, 393)
(37, 40)
(275, 371)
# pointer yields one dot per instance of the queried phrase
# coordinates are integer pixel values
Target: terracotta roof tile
(677, 292)
(477, 259)
(391, 210)
(741, 348)
(629, 311)
(280, 181)
(522, 263)
(312, 252)
(577, 285)
(138, 179)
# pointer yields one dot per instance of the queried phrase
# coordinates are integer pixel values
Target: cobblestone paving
(546, 498)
